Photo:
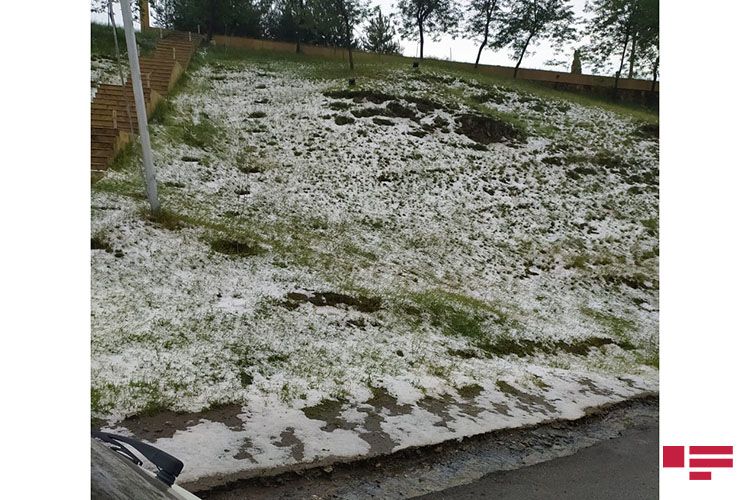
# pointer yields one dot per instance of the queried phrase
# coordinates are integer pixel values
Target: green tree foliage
(627, 30)
(348, 13)
(283, 22)
(103, 6)
(325, 24)
(288, 20)
(647, 46)
(575, 68)
(436, 17)
(380, 34)
(528, 21)
(484, 18)
(231, 17)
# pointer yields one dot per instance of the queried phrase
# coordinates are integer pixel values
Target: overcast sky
(538, 56)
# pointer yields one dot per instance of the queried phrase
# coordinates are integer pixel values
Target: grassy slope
(301, 240)
(378, 66)
(103, 43)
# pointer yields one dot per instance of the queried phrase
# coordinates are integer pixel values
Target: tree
(380, 34)
(100, 6)
(231, 17)
(280, 22)
(575, 68)
(484, 16)
(324, 23)
(611, 28)
(648, 40)
(628, 29)
(528, 21)
(350, 13)
(298, 14)
(428, 16)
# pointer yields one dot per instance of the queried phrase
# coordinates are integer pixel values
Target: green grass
(126, 158)
(163, 112)
(470, 318)
(166, 219)
(651, 225)
(201, 134)
(470, 391)
(457, 314)
(618, 327)
(103, 43)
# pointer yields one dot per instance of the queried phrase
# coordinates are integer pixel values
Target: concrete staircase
(160, 70)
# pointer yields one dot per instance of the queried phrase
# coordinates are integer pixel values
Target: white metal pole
(140, 108)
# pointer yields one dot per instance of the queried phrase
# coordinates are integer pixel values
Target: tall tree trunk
(622, 60)
(347, 30)
(298, 48)
(349, 42)
(211, 19)
(490, 8)
(632, 57)
(628, 30)
(421, 40)
(525, 46)
(479, 54)
(656, 72)
(143, 12)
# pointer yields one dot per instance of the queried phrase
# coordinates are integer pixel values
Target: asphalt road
(623, 468)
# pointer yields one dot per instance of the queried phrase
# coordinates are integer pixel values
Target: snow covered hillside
(348, 270)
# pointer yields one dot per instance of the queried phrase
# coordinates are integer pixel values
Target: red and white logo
(701, 458)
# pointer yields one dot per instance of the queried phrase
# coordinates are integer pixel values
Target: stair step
(106, 96)
(103, 151)
(156, 70)
(101, 131)
(122, 125)
(105, 103)
(101, 115)
(106, 155)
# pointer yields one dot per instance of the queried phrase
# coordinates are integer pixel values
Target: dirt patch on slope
(333, 299)
(422, 104)
(235, 248)
(486, 130)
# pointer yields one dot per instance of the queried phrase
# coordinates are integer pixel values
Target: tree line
(623, 35)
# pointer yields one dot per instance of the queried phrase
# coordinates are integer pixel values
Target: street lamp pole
(140, 108)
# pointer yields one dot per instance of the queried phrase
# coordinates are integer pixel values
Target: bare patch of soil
(650, 130)
(167, 423)
(525, 401)
(360, 95)
(423, 105)
(343, 120)
(400, 111)
(527, 347)
(329, 411)
(333, 299)
(383, 122)
(368, 112)
(98, 243)
(486, 130)
(289, 440)
(235, 248)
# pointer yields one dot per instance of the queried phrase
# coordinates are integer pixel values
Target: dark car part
(169, 467)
